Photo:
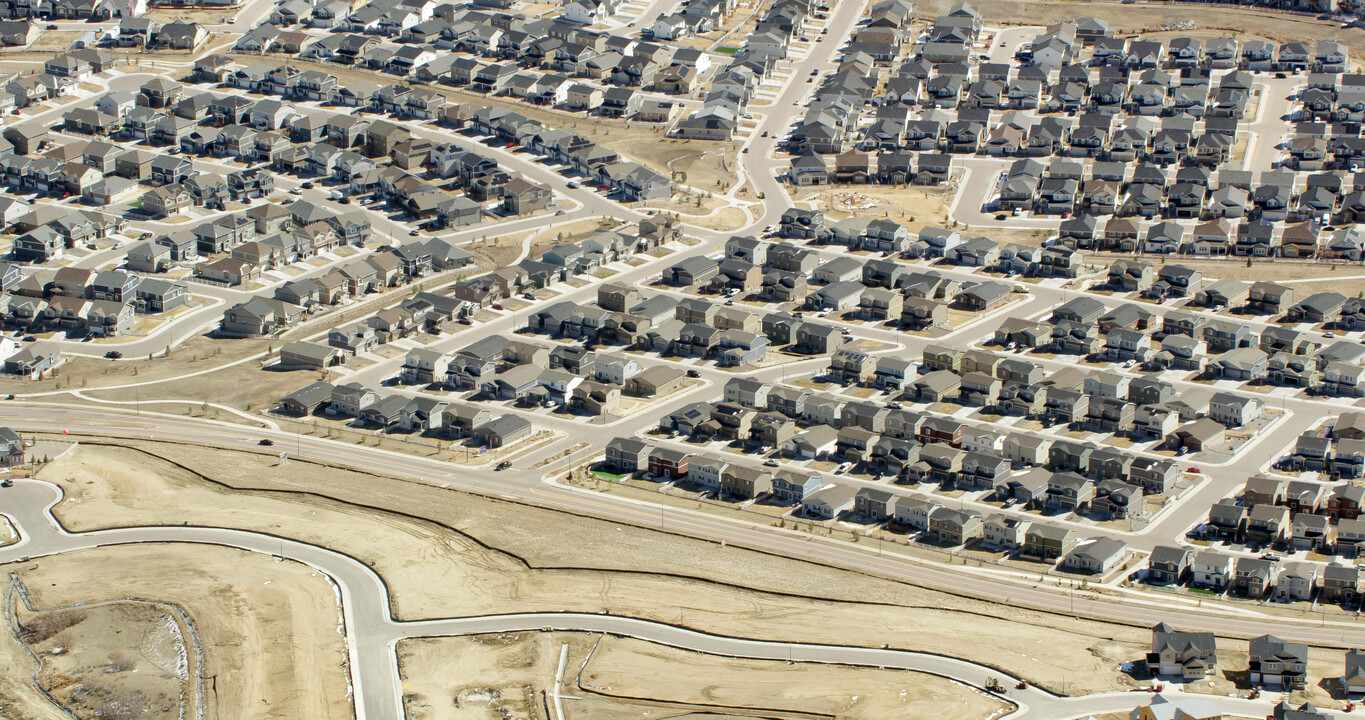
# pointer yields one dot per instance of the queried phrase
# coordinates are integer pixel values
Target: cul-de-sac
(682, 359)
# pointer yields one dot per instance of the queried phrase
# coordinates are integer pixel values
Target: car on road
(30, 338)
(559, 212)
(52, 27)
(770, 463)
(1193, 469)
(267, 442)
(6, 483)
(572, 185)
(694, 373)
(344, 200)
(1329, 335)
(503, 465)
(1273, 557)
(307, 186)
(113, 355)
(412, 233)
(815, 72)
(765, 134)
(745, 151)
(295, 191)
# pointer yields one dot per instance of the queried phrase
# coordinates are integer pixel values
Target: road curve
(372, 633)
(526, 485)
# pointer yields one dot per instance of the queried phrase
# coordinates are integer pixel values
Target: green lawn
(727, 50)
(616, 477)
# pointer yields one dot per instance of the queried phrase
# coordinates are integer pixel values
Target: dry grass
(627, 678)
(269, 629)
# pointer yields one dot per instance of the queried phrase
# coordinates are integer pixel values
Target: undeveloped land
(269, 630)
(115, 660)
(610, 678)
(469, 555)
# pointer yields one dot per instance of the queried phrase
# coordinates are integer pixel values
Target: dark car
(6, 483)
(307, 186)
(266, 442)
(503, 465)
(113, 355)
(694, 373)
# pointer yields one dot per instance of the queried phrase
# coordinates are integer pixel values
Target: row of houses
(80, 301)
(376, 271)
(1334, 452)
(1254, 577)
(732, 89)
(395, 412)
(489, 51)
(910, 512)
(910, 445)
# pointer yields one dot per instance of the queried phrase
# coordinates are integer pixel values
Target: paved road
(372, 633)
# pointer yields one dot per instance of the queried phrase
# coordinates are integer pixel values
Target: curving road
(529, 485)
(372, 632)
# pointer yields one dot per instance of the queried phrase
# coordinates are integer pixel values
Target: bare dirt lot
(611, 678)
(112, 660)
(469, 555)
(269, 629)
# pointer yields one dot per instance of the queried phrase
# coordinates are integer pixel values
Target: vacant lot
(627, 667)
(481, 677)
(104, 660)
(269, 630)
(468, 555)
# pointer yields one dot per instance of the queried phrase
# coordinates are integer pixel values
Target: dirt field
(116, 660)
(623, 666)
(913, 207)
(448, 679)
(493, 556)
(269, 629)
(196, 354)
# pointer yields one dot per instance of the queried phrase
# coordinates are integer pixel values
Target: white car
(843, 468)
